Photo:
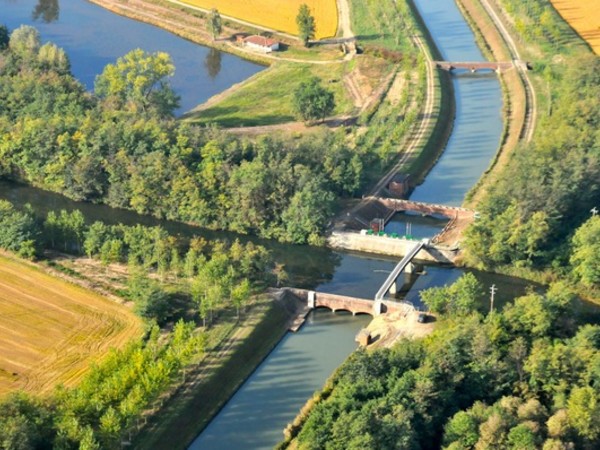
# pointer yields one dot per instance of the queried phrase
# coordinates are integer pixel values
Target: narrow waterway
(474, 141)
(257, 414)
(255, 417)
(478, 122)
(477, 125)
(94, 37)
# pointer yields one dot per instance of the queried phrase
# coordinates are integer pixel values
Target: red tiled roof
(260, 40)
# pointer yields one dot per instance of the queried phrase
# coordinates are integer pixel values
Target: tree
(306, 24)
(459, 298)
(585, 257)
(138, 81)
(25, 41)
(461, 429)
(215, 24)
(151, 301)
(240, 295)
(4, 37)
(312, 101)
(584, 413)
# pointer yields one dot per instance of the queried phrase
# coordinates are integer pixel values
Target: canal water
(477, 126)
(255, 417)
(472, 145)
(94, 37)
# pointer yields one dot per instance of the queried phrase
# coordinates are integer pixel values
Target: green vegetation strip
(189, 413)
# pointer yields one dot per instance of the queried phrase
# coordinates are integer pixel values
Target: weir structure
(357, 305)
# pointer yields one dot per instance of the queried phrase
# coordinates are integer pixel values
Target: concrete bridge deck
(474, 66)
(400, 268)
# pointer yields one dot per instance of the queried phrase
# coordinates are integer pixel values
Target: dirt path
(420, 132)
(531, 113)
(193, 28)
(234, 19)
(344, 19)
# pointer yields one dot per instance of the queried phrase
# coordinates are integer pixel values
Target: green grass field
(267, 98)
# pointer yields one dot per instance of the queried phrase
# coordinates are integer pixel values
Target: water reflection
(256, 415)
(93, 37)
(212, 62)
(46, 10)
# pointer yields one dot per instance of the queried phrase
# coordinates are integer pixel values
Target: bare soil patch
(388, 329)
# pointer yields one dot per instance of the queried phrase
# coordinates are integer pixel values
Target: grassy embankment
(53, 330)
(395, 123)
(584, 17)
(216, 378)
(267, 98)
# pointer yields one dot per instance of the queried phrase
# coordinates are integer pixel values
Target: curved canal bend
(256, 415)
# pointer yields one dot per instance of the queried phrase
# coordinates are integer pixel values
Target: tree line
(540, 212)
(211, 276)
(120, 145)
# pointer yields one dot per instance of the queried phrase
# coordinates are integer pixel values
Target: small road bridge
(405, 265)
(427, 209)
(497, 66)
(355, 305)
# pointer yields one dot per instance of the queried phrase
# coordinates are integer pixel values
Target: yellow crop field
(51, 330)
(278, 15)
(584, 17)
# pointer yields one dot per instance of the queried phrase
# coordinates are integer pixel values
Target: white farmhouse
(261, 44)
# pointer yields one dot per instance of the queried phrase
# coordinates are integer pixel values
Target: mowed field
(584, 17)
(278, 15)
(51, 330)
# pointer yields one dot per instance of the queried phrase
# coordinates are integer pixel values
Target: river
(255, 417)
(94, 37)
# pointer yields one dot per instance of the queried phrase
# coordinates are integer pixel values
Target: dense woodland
(539, 213)
(121, 146)
(523, 378)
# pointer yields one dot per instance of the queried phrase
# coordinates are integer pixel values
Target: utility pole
(493, 290)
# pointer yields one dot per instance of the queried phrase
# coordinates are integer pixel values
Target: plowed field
(584, 17)
(51, 330)
(278, 15)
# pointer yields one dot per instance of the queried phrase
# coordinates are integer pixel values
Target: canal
(256, 416)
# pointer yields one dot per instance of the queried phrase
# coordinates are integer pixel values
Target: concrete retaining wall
(388, 246)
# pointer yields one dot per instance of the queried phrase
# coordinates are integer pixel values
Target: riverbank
(214, 381)
(516, 104)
